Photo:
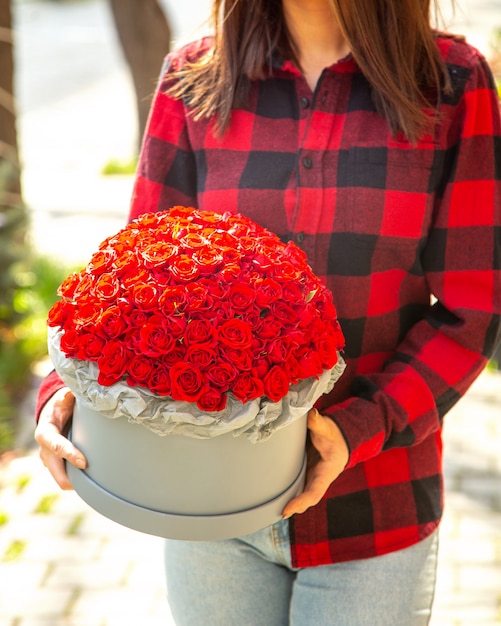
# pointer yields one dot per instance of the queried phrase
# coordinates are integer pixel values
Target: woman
(374, 143)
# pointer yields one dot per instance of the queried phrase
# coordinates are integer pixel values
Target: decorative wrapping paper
(256, 420)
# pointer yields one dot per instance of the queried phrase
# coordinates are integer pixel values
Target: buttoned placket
(312, 143)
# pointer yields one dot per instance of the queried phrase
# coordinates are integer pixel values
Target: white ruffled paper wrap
(256, 420)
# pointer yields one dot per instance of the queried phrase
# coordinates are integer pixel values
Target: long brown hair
(391, 40)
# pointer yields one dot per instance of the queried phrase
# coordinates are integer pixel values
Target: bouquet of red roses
(197, 308)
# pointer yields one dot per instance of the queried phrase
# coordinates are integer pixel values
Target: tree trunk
(145, 35)
(12, 211)
(8, 135)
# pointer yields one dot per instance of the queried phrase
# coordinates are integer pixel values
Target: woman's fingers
(333, 456)
(55, 448)
(53, 454)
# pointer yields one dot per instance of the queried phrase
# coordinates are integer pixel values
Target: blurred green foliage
(23, 331)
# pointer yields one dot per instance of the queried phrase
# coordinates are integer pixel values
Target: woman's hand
(50, 435)
(331, 455)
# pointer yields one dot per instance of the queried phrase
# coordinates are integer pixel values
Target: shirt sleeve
(48, 387)
(445, 351)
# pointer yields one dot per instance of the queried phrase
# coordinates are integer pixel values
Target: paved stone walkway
(63, 564)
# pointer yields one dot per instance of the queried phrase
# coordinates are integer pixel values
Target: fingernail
(81, 463)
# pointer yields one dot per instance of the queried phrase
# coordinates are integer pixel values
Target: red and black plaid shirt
(388, 226)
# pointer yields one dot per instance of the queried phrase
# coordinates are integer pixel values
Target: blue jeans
(249, 581)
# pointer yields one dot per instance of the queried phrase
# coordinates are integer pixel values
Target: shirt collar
(346, 64)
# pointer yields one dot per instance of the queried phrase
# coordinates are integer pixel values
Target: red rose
(269, 328)
(198, 298)
(87, 314)
(59, 313)
(292, 292)
(192, 241)
(306, 315)
(199, 331)
(247, 387)
(112, 363)
(101, 261)
(172, 299)
(239, 358)
(158, 254)
(293, 369)
(124, 261)
(217, 290)
(327, 350)
(134, 276)
(175, 325)
(222, 374)
(310, 362)
(295, 254)
(161, 278)
(212, 400)
(222, 312)
(84, 288)
(263, 261)
(184, 269)
(241, 296)
(140, 370)
(136, 318)
(201, 355)
(286, 270)
(107, 287)
(69, 284)
(276, 384)
(325, 306)
(268, 291)
(154, 339)
(178, 353)
(208, 260)
(252, 317)
(160, 381)
(112, 321)
(145, 296)
(69, 342)
(89, 347)
(235, 334)
(230, 272)
(231, 258)
(223, 240)
(187, 382)
(246, 243)
(261, 367)
(278, 350)
(284, 313)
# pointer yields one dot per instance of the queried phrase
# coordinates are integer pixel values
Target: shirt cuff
(48, 387)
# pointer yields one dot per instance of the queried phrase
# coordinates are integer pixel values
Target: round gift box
(182, 487)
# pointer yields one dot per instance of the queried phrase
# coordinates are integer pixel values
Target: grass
(15, 550)
(25, 343)
(22, 481)
(46, 503)
(120, 167)
(75, 525)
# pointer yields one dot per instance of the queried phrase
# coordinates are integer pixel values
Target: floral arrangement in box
(197, 322)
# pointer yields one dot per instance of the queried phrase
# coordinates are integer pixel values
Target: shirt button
(307, 162)
(305, 103)
(299, 237)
